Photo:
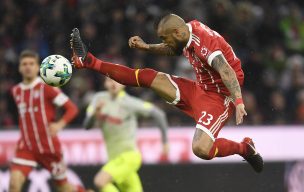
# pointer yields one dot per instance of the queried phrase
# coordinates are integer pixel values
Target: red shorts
(25, 160)
(210, 110)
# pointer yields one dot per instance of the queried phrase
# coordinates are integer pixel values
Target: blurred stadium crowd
(268, 37)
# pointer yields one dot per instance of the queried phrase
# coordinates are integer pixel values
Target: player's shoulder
(101, 95)
(201, 30)
(15, 87)
(127, 99)
(193, 22)
(136, 101)
(49, 88)
(13, 90)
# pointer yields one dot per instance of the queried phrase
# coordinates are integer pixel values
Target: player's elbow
(76, 110)
(73, 109)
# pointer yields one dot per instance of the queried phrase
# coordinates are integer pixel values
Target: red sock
(224, 147)
(122, 74)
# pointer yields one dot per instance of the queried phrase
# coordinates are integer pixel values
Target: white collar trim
(190, 37)
(31, 85)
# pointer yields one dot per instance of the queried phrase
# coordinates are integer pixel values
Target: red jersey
(203, 46)
(36, 104)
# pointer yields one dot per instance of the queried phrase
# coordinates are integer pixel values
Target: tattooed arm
(228, 76)
(161, 49)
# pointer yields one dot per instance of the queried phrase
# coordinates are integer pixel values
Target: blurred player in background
(39, 143)
(210, 101)
(116, 113)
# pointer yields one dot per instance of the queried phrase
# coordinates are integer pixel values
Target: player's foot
(80, 50)
(252, 156)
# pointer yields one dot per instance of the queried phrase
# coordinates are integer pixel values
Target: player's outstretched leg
(158, 81)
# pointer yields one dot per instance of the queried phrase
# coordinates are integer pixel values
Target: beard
(179, 49)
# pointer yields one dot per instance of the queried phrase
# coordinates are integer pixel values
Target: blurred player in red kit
(37, 102)
(210, 101)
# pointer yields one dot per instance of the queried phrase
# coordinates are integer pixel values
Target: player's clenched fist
(137, 42)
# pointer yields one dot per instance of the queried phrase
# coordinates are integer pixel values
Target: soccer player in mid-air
(39, 144)
(210, 101)
(116, 112)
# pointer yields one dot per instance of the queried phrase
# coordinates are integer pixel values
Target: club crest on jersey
(204, 51)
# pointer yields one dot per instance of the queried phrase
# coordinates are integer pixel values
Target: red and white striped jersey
(203, 46)
(36, 104)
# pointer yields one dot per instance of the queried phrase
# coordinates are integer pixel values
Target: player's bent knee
(200, 151)
(159, 78)
(202, 144)
(97, 182)
(101, 180)
(164, 87)
(14, 186)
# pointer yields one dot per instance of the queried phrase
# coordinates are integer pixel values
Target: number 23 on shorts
(206, 118)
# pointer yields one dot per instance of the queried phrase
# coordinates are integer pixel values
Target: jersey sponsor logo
(23, 108)
(109, 119)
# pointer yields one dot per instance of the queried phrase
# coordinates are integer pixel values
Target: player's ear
(174, 32)
(177, 33)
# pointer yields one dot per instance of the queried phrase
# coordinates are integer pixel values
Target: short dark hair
(29, 53)
(160, 18)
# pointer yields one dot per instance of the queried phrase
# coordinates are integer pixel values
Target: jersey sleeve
(140, 107)
(57, 97)
(210, 44)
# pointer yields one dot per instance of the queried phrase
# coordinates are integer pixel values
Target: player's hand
(240, 113)
(55, 127)
(98, 108)
(138, 43)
